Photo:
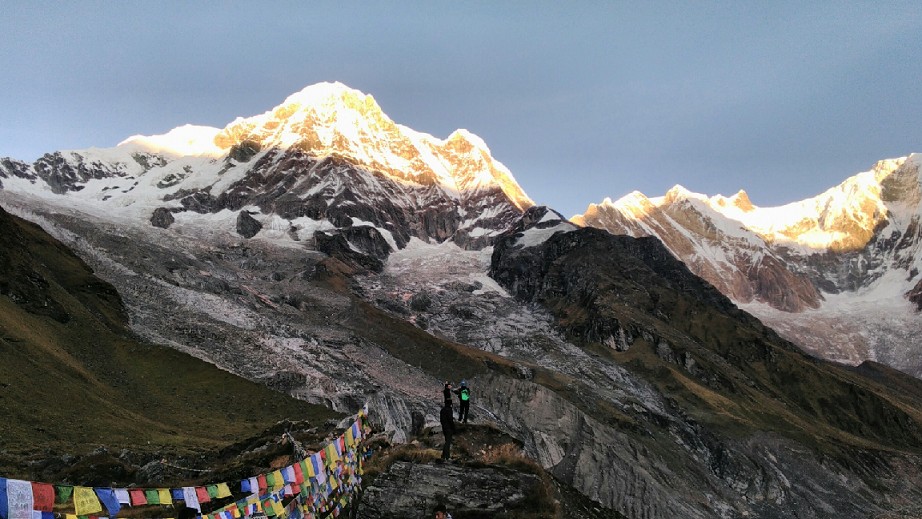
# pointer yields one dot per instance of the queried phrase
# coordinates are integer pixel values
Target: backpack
(465, 394)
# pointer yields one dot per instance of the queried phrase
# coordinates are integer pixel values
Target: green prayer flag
(153, 496)
(63, 493)
(270, 480)
(212, 491)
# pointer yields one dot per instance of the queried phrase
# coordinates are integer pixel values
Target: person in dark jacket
(446, 392)
(464, 397)
(448, 428)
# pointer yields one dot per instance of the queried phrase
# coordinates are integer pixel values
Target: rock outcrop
(467, 491)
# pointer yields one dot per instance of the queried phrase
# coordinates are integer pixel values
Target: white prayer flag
(191, 499)
(19, 499)
(122, 495)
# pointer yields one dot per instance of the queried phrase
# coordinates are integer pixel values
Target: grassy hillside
(72, 377)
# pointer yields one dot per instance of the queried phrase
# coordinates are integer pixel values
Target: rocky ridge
(825, 272)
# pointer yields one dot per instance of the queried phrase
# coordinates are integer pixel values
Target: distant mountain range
(838, 273)
(327, 252)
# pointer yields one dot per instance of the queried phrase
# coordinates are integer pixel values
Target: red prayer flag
(299, 474)
(42, 497)
(202, 494)
(137, 497)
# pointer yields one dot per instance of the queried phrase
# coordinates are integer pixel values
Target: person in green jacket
(464, 395)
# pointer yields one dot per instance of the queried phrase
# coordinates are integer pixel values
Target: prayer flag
(85, 501)
(223, 490)
(315, 465)
(122, 495)
(212, 491)
(254, 485)
(70, 516)
(18, 499)
(177, 494)
(350, 438)
(299, 474)
(268, 508)
(289, 474)
(63, 493)
(263, 484)
(109, 499)
(331, 454)
(278, 478)
(245, 485)
(4, 506)
(202, 494)
(42, 497)
(47, 515)
(137, 497)
(191, 498)
(165, 497)
(152, 496)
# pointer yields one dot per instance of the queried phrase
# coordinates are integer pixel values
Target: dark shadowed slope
(72, 377)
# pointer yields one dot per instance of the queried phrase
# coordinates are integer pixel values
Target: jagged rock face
(247, 226)
(467, 491)
(162, 218)
(610, 293)
(824, 271)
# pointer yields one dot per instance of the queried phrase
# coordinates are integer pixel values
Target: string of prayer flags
(318, 485)
(85, 501)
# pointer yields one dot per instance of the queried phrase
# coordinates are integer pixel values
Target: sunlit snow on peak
(185, 141)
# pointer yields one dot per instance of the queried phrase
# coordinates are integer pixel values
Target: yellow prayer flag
(223, 491)
(350, 438)
(86, 502)
(279, 480)
(279, 509)
(332, 455)
(165, 497)
(70, 516)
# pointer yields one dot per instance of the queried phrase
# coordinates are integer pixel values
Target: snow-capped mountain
(327, 159)
(837, 273)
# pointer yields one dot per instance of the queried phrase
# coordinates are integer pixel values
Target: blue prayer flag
(4, 505)
(107, 496)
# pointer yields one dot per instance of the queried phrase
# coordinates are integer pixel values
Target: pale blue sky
(581, 100)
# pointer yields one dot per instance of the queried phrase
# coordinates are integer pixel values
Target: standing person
(448, 428)
(464, 396)
(446, 392)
